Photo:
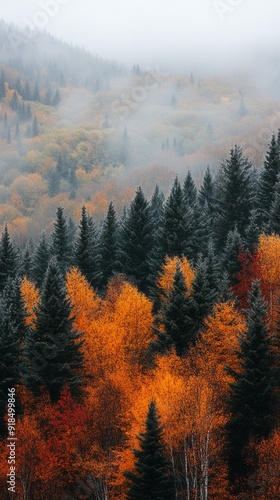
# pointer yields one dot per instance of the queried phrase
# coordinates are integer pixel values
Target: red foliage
(250, 271)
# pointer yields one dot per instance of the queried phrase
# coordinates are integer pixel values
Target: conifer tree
(234, 196)
(60, 248)
(273, 223)
(202, 294)
(86, 249)
(178, 223)
(2, 85)
(230, 261)
(251, 400)
(152, 478)
(108, 246)
(136, 241)
(8, 258)
(13, 301)
(53, 358)
(268, 180)
(206, 192)
(189, 190)
(40, 260)
(176, 317)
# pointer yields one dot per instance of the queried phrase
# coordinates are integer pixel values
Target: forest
(144, 351)
(139, 280)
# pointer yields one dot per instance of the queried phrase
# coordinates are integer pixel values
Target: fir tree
(202, 294)
(108, 246)
(86, 255)
(136, 241)
(189, 190)
(13, 300)
(2, 85)
(268, 180)
(230, 261)
(40, 260)
(273, 223)
(251, 400)
(60, 247)
(53, 358)
(8, 258)
(206, 192)
(152, 478)
(176, 317)
(234, 197)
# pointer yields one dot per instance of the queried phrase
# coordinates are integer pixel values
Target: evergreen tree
(234, 197)
(53, 358)
(176, 316)
(136, 240)
(12, 299)
(206, 192)
(40, 260)
(178, 227)
(53, 184)
(35, 128)
(273, 223)
(8, 258)
(230, 261)
(108, 246)
(189, 190)
(27, 93)
(86, 255)
(36, 93)
(9, 360)
(2, 85)
(60, 247)
(152, 478)
(202, 294)
(251, 400)
(252, 232)
(268, 180)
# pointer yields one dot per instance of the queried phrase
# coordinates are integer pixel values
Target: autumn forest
(139, 325)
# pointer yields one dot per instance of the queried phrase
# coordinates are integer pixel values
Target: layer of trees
(145, 350)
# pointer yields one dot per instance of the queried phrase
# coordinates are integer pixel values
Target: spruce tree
(8, 258)
(60, 248)
(273, 222)
(178, 225)
(40, 260)
(268, 180)
(234, 196)
(2, 85)
(203, 294)
(251, 400)
(86, 249)
(108, 246)
(189, 190)
(176, 317)
(13, 300)
(230, 258)
(136, 241)
(206, 192)
(53, 358)
(152, 478)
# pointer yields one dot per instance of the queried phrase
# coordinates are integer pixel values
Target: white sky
(157, 31)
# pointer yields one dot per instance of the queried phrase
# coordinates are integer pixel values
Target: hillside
(75, 128)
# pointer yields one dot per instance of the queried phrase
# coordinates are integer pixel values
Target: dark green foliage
(9, 360)
(152, 478)
(53, 183)
(189, 190)
(252, 232)
(273, 223)
(40, 260)
(136, 241)
(86, 249)
(52, 354)
(234, 197)
(60, 247)
(251, 400)
(206, 192)
(178, 224)
(108, 246)
(230, 262)
(8, 259)
(2, 85)
(12, 299)
(268, 180)
(176, 317)
(203, 294)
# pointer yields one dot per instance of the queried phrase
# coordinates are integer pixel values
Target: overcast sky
(157, 31)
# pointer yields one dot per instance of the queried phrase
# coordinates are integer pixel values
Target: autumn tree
(53, 349)
(251, 400)
(152, 478)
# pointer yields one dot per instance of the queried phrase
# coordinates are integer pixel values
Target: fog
(211, 36)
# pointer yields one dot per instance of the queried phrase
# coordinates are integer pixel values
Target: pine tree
(176, 317)
(251, 400)
(252, 232)
(202, 294)
(108, 246)
(53, 358)
(234, 196)
(206, 192)
(189, 190)
(40, 260)
(8, 258)
(268, 180)
(86, 255)
(12, 299)
(152, 478)
(273, 223)
(136, 241)
(9, 360)
(229, 261)
(2, 85)
(178, 227)
(60, 247)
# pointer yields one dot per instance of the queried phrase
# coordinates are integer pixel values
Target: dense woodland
(145, 350)
(140, 326)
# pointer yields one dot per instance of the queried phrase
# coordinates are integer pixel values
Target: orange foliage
(165, 280)
(31, 298)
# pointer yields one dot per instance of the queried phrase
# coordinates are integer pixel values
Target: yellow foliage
(169, 268)
(31, 298)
